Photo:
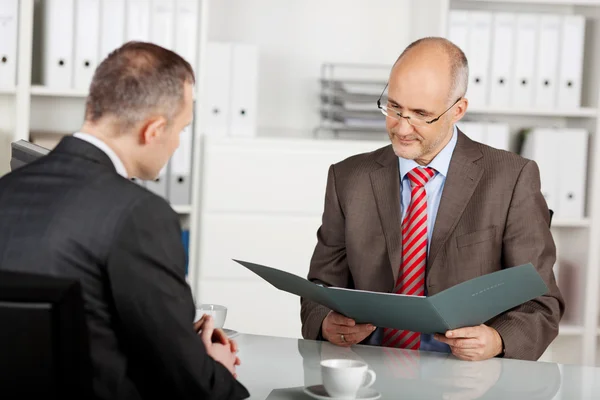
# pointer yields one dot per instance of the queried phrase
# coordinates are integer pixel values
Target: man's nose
(403, 127)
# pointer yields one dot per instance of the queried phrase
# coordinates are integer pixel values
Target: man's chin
(409, 152)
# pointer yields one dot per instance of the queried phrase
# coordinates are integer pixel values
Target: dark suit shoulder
(142, 195)
(363, 163)
(140, 203)
(354, 171)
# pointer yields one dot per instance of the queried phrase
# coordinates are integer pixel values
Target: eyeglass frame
(379, 106)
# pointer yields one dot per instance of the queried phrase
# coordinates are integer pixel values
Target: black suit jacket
(70, 214)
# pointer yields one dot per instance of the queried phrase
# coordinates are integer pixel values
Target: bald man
(432, 210)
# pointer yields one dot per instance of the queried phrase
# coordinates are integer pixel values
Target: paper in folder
(469, 303)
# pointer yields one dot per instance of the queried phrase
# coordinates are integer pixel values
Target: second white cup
(218, 312)
(343, 378)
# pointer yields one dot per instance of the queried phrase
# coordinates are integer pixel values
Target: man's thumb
(207, 332)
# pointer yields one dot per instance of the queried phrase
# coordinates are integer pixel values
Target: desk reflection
(426, 375)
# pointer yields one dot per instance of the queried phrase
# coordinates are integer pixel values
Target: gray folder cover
(467, 304)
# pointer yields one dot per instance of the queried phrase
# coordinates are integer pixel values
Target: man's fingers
(461, 343)
(234, 346)
(468, 332)
(198, 324)
(362, 330)
(219, 336)
(351, 335)
(348, 330)
(336, 338)
(468, 354)
(357, 337)
(339, 319)
(207, 332)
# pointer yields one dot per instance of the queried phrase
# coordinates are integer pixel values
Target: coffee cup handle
(369, 378)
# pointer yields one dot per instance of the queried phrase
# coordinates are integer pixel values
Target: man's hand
(474, 343)
(343, 331)
(217, 344)
(219, 335)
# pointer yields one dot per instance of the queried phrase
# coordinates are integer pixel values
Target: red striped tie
(411, 279)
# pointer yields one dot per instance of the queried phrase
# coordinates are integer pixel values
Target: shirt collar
(440, 163)
(119, 166)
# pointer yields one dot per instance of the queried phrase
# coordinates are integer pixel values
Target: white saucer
(230, 333)
(319, 392)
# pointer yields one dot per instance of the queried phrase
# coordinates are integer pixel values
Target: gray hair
(459, 66)
(138, 80)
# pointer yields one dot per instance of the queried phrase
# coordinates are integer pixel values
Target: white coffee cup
(218, 312)
(342, 378)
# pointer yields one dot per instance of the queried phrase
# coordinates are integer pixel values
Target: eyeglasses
(416, 120)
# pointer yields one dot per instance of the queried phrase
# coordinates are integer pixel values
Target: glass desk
(279, 368)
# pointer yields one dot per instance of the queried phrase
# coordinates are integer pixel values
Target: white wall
(296, 36)
(7, 127)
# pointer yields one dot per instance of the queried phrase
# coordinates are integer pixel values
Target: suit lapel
(386, 189)
(463, 177)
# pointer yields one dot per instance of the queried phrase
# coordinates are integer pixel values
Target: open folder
(469, 303)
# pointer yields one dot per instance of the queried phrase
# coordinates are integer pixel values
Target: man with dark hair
(432, 210)
(75, 213)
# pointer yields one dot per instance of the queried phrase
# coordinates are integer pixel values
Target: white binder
(9, 18)
(547, 62)
(244, 86)
(186, 30)
(474, 130)
(571, 62)
(138, 20)
(504, 27)
(112, 26)
(458, 29)
(163, 19)
(498, 135)
(159, 185)
(480, 33)
(215, 108)
(524, 61)
(572, 174)
(138, 181)
(86, 42)
(543, 145)
(58, 43)
(180, 174)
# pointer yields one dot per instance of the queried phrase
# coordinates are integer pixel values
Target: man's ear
(460, 109)
(152, 129)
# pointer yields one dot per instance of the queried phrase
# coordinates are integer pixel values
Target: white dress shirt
(119, 166)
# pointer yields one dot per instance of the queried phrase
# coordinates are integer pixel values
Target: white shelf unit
(7, 127)
(547, 2)
(571, 330)
(584, 112)
(577, 240)
(184, 209)
(39, 90)
(571, 223)
(30, 108)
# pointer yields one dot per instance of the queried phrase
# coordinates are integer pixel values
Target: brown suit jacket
(492, 215)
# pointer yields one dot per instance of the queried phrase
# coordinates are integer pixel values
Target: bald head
(439, 55)
(425, 98)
